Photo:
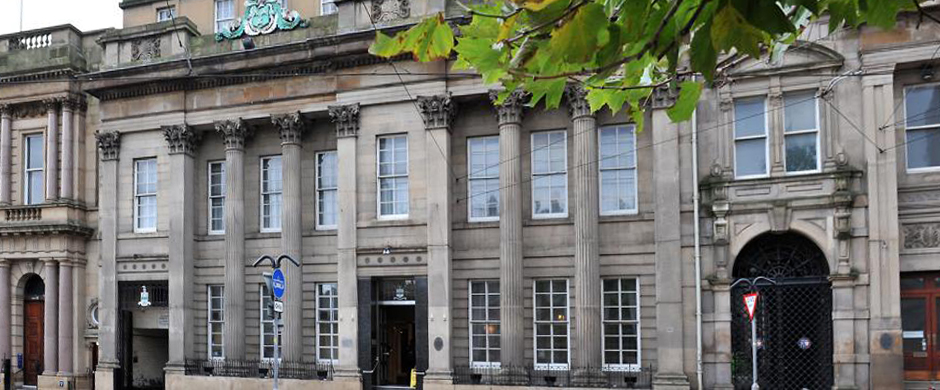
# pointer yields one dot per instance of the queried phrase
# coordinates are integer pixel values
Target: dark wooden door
(920, 322)
(32, 357)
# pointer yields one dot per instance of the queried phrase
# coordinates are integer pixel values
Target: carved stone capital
(181, 139)
(51, 104)
(346, 118)
(438, 111)
(664, 97)
(578, 105)
(109, 143)
(290, 127)
(234, 133)
(6, 110)
(512, 110)
(70, 103)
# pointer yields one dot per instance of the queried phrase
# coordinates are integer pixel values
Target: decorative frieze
(438, 111)
(921, 235)
(145, 49)
(346, 118)
(512, 108)
(181, 139)
(388, 10)
(578, 105)
(290, 127)
(109, 143)
(234, 133)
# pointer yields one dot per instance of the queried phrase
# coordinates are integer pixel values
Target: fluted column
(109, 145)
(6, 147)
(52, 149)
(234, 133)
(66, 318)
(6, 312)
(68, 151)
(291, 128)
(346, 119)
(511, 286)
(587, 269)
(51, 318)
(182, 142)
(78, 159)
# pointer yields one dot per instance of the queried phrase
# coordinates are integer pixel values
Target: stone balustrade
(21, 214)
(44, 218)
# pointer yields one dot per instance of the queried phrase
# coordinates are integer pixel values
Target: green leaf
(481, 56)
(843, 11)
(579, 38)
(689, 93)
(704, 56)
(550, 89)
(765, 15)
(386, 46)
(612, 98)
(883, 13)
(730, 30)
(534, 5)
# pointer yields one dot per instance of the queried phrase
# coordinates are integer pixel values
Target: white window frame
(379, 177)
(639, 336)
(263, 194)
(488, 284)
(817, 130)
(536, 322)
(765, 137)
(534, 175)
(332, 6)
(471, 176)
(139, 196)
(264, 296)
(27, 195)
(209, 214)
(907, 158)
(636, 174)
(209, 322)
(218, 20)
(334, 313)
(170, 12)
(321, 190)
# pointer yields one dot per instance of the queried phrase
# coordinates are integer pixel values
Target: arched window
(35, 289)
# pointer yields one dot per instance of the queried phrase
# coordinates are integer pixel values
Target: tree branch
(923, 13)
(569, 11)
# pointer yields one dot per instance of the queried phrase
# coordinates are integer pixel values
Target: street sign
(279, 283)
(750, 301)
(278, 307)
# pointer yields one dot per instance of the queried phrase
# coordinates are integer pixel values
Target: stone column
(51, 318)
(68, 148)
(438, 113)
(109, 146)
(52, 149)
(668, 258)
(511, 287)
(346, 119)
(78, 163)
(234, 133)
(6, 147)
(291, 128)
(6, 312)
(66, 317)
(182, 142)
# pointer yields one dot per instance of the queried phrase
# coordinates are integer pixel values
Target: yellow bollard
(414, 378)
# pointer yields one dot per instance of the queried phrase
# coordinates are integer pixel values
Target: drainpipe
(696, 214)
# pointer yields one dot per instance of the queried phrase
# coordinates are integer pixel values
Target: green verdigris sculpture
(262, 17)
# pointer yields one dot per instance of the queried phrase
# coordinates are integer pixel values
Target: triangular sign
(750, 301)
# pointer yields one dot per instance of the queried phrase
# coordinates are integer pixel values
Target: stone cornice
(181, 139)
(346, 118)
(73, 229)
(437, 111)
(578, 105)
(512, 109)
(290, 127)
(234, 133)
(109, 143)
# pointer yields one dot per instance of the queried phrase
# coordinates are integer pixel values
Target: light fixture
(926, 73)
(387, 251)
(248, 43)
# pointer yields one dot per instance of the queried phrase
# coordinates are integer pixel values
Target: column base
(347, 374)
(175, 369)
(670, 381)
(104, 375)
(54, 382)
(438, 380)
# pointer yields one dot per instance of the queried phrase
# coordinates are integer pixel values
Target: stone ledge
(182, 382)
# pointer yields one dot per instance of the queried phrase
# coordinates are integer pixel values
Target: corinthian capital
(290, 127)
(234, 133)
(346, 118)
(577, 101)
(181, 139)
(51, 104)
(438, 111)
(512, 108)
(6, 110)
(109, 143)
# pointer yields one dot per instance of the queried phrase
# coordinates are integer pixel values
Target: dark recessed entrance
(397, 329)
(34, 295)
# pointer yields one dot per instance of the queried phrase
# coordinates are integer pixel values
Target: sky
(85, 14)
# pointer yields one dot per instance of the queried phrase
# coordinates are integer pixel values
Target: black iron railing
(259, 369)
(640, 378)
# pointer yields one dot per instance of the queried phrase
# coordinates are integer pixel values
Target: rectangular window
(217, 197)
(484, 323)
(551, 324)
(621, 324)
(224, 14)
(166, 13)
(922, 127)
(328, 7)
(33, 162)
(271, 194)
(327, 323)
(216, 322)
(550, 174)
(267, 325)
(617, 163)
(326, 190)
(145, 195)
(483, 178)
(393, 176)
(801, 131)
(750, 137)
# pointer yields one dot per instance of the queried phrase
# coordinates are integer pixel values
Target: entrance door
(920, 320)
(33, 350)
(396, 334)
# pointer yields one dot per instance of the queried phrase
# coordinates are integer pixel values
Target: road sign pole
(277, 350)
(276, 283)
(754, 385)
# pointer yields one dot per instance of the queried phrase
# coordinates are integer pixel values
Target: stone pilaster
(234, 134)
(346, 119)
(182, 142)
(511, 282)
(52, 149)
(109, 146)
(6, 147)
(6, 312)
(587, 268)
(66, 318)
(68, 149)
(50, 366)
(438, 113)
(291, 128)
(78, 163)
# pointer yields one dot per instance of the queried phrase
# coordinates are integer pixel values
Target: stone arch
(20, 272)
(807, 230)
(783, 255)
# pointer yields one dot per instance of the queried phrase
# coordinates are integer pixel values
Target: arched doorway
(794, 317)
(34, 295)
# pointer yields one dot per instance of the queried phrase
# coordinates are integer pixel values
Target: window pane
(35, 148)
(749, 117)
(750, 157)
(799, 111)
(913, 319)
(923, 148)
(36, 195)
(922, 106)
(801, 152)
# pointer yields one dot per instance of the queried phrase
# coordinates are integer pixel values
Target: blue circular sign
(279, 283)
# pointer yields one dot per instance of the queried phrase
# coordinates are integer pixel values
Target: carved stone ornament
(181, 139)
(6, 110)
(51, 104)
(346, 118)
(109, 143)
(70, 103)
(389, 10)
(262, 17)
(438, 111)
(92, 314)
(921, 235)
(843, 223)
(234, 133)
(665, 96)
(720, 224)
(290, 127)
(145, 49)
(30, 110)
(512, 109)
(577, 101)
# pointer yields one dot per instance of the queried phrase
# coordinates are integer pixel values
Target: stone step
(919, 385)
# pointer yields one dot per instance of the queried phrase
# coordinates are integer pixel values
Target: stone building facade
(478, 245)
